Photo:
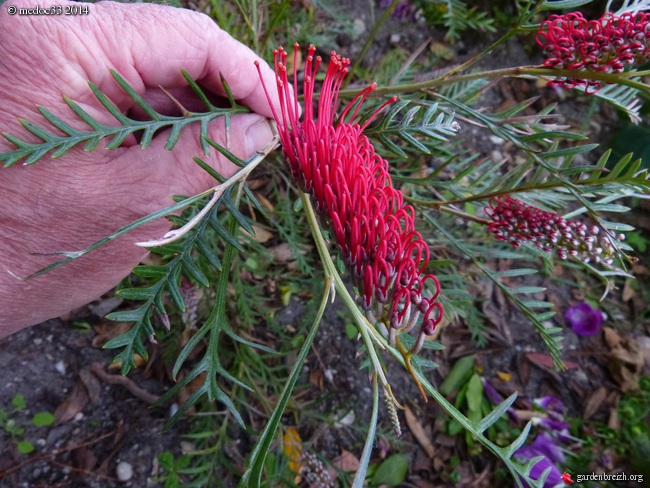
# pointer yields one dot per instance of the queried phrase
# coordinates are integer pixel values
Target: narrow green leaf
(364, 461)
(197, 90)
(193, 271)
(518, 442)
(83, 115)
(241, 219)
(109, 105)
(205, 249)
(496, 414)
(146, 108)
(537, 304)
(515, 272)
(527, 290)
(545, 316)
(126, 316)
(136, 293)
(223, 233)
(149, 271)
(234, 159)
(36, 130)
(254, 465)
(175, 292)
(570, 151)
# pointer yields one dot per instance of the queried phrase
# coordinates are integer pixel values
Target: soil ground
(102, 424)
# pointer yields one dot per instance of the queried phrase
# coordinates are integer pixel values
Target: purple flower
(490, 393)
(493, 395)
(556, 428)
(551, 404)
(546, 446)
(584, 320)
(524, 453)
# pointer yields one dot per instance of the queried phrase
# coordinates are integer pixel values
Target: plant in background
(15, 429)
(389, 187)
(515, 222)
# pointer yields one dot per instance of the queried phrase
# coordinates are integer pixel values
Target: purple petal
(583, 319)
(551, 404)
(491, 393)
(546, 446)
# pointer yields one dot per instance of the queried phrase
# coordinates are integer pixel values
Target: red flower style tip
(353, 193)
(605, 45)
(516, 222)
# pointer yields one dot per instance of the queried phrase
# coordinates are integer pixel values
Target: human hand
(68, 203)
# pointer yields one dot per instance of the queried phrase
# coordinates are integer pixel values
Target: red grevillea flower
(353, 193)
(604, 45)
(516, 222)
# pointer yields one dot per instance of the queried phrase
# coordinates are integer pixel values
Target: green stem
(519, 71)
(478, 57)
(255, 464)
(363, 326)
(464, 215)
(496, 193)
(360, 475)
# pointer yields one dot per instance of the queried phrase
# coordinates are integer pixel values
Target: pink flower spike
(605, 45)
(351, 188)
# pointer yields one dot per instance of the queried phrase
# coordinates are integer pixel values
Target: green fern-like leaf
(58, 145)
(165, 278)
(427, 122)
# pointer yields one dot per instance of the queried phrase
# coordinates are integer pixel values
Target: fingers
(161, 40)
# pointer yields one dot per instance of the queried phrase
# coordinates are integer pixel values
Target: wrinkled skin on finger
(66, 204)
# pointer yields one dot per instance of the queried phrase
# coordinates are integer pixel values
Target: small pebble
(329, 375)
(38, 341)
(60, 367)
(173, 409)
(395, 38)
(347, 420)
(359, 27)
(124, 471)
(496, 140)
(78, 417)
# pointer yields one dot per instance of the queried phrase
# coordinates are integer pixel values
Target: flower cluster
(604, 45)
(353, 192)
(546, 443)
(516, 222)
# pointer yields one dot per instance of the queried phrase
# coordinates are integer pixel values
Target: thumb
(179, 174)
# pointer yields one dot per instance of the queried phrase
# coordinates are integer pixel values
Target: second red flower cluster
(605, 45)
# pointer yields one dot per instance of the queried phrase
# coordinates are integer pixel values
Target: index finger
(161, 39)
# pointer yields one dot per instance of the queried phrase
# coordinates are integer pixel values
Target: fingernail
(258, 136)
